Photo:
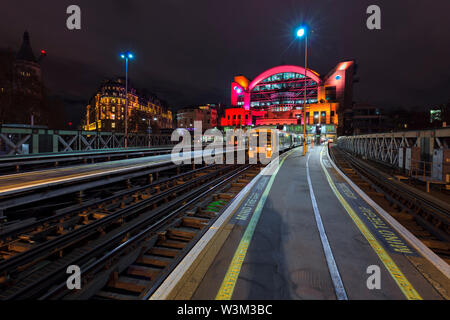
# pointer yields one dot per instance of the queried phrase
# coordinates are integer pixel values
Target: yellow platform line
(230, 279)
(401, 280)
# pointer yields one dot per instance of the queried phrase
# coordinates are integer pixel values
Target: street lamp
(149, 130)
(302, 32)
(126, 56)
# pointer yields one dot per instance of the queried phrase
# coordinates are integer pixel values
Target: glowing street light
(126, 56)
(301, 32)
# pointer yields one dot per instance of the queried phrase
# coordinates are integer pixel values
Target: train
(286, 141)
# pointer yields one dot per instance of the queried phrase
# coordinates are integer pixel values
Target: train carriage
(266, 141)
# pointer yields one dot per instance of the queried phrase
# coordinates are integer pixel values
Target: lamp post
(126, 56)
(301, 32)
(149, 130)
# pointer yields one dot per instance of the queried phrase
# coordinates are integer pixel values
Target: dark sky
(187, 52)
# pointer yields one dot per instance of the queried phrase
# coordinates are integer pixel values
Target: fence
(26, 140)
(422, 153)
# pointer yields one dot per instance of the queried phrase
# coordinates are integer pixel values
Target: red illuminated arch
(282, 69)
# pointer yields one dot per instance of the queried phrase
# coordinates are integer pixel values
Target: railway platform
(306, 232)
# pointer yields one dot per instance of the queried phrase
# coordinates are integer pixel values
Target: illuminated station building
(276, 98)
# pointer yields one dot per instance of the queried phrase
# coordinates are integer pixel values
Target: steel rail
(49, 247)
(155, 225)
(74, 210)
(59, 272)
(380, 180)
(414, 196)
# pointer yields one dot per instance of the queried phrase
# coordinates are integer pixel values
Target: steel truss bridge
(429, 146)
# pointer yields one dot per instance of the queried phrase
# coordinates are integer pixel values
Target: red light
(70, 123)
(43, 52)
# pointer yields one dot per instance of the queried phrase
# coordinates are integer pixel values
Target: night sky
(187, 52)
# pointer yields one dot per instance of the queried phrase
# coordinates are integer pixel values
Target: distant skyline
(188, 52)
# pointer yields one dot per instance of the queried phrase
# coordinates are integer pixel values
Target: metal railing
(421, 169)
(18, 140)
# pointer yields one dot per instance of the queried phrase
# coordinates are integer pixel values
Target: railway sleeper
(19, 246)
(114, 296)
(402, 216)
(375, 194)
(128, 284)
(194, 222)
(170, 243)
(238, 184)
(98, 215)
(227, 196)
(436, 244)
(5, 255)
(192, 212)
(178, 233)
(206, 213)
(154, 261)
(164, 251)
(143, 271)
(145, 196)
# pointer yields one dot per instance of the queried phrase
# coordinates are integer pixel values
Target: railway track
(25, 237)
(428, 219)
(24, 207)
(98, 234)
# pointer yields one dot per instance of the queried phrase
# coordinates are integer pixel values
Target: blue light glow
(127, 55)
(338, 77)
(301, 32)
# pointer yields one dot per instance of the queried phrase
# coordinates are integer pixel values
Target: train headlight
(269, 149)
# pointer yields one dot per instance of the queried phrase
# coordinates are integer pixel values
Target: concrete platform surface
(304, 233)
